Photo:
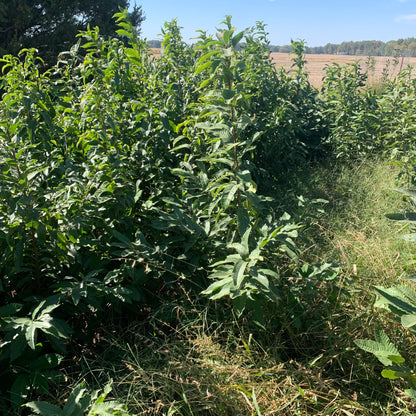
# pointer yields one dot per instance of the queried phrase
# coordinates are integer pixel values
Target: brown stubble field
(316, 64)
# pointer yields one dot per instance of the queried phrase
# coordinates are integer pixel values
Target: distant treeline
(401, 47)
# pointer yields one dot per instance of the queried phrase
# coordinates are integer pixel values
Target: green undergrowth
(193, 358)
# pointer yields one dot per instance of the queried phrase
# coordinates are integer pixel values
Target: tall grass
(358, 233)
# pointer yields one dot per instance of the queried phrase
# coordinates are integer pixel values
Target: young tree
(51, 25)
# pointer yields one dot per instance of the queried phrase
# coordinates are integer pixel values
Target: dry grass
(366, 240)
(217, 372)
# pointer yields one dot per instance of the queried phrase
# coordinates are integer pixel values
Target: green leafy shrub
(362, 121)
(351, 111)
(123, 175)
(286, 109)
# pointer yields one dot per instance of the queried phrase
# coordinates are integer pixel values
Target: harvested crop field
(316, 64)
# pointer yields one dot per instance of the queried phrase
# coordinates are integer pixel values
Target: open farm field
(316, 64)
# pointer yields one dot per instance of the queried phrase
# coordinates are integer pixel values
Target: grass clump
(355, 230)
(211, 369)
(363, 234)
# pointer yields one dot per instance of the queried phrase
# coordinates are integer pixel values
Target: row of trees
(51, 26)
(401, 47)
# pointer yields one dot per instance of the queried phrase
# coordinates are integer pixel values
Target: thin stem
(233, 119)
(233, 131)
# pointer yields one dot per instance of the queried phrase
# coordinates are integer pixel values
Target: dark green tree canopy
(52, 25)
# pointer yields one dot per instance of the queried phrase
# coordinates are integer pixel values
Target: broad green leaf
(243, 221)
(76, 404)
(245, 176)
(255, 256)
(270, 273)
(228, 94)
(382, 348)
(109, 408)
(206, 82)
(46, 361)
(10, 309)
(132, 53)
(120, 23)
(237, 38)
(30, 334)
(19, 390)
(37, 309)
(228, 52)
(51, 303)
(408, 320)
(394, 298)
(396, 359)
(58, 328)
(185, 146)
(239, 273)
(78, 292)
(241, 248)
(239, 304)
(17, 346)
(121, 237)
(203, 67)
(226, 35)
(405, 216)
(105, 393)
(390, 374)
(224, 291)
(206, 56)
(409, 293)
(123, 32)
(45, 409)
(229, 193)
(262, 279)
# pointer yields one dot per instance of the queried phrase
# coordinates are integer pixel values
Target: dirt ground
(315, 64)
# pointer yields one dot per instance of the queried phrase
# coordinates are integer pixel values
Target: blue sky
(316, 22)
